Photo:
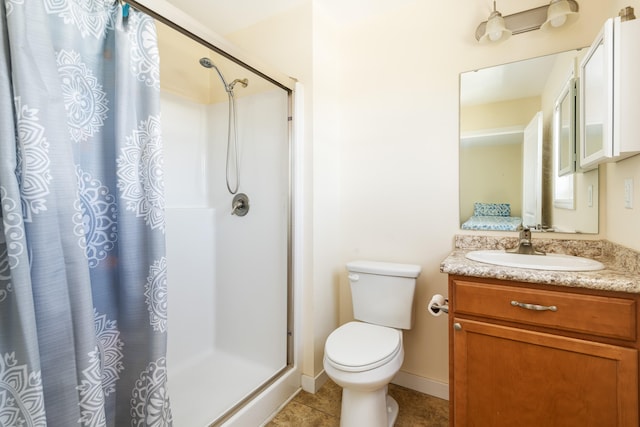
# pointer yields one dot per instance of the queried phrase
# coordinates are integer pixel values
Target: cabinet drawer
(589, 314)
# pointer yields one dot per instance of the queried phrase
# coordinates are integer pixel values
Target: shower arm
(243, 82)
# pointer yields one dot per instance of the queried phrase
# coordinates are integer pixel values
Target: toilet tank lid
(384, 268)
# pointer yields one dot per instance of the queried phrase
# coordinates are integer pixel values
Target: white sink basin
(556, 262)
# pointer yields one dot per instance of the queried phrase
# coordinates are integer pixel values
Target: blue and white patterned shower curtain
(82, 259)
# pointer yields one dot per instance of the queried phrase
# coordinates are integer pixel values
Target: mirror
(498, 110)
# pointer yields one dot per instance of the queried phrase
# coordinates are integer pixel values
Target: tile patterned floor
(323, 409)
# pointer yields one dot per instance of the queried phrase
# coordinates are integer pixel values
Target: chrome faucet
(525, 246)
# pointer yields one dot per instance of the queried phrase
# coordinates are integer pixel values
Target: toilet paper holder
(438, 305)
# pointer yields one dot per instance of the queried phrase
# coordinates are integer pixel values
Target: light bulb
(494, 29)
(558, 21)
(494, 36)
(495, 26)
(559, 13)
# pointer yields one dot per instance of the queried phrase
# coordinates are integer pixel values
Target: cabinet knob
(457, 326)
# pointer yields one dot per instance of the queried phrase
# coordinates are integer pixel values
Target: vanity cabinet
(609, 102)
(531, 355)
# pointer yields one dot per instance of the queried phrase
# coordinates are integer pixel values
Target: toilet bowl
(362, 359)
(364, 355)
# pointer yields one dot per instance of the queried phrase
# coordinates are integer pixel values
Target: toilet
(363, 356)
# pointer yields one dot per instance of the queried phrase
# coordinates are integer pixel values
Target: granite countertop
(621, 273)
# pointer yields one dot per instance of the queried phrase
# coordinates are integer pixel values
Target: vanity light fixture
(559, 14)
(494, 30)
(555, 14)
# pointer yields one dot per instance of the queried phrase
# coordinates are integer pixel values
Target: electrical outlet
(590, 196)
(628, 193)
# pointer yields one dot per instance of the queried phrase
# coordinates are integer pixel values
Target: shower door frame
(168, 15)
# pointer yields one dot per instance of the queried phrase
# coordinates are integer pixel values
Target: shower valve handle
(240, 205)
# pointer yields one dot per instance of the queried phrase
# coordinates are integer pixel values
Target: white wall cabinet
(610, 95)
(564, 144)
(564, 131)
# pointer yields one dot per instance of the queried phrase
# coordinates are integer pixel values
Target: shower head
(207, 63)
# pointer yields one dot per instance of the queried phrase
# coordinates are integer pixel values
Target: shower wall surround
(227, 275)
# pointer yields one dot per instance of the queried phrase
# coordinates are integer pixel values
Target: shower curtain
(82, 259)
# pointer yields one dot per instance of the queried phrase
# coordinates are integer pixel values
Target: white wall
(490, 173)
(623, 225)
(186, 122)
(227, 275)
(190, 224)
(385, 140)
(251, 299)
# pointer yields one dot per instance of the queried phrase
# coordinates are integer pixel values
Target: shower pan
(228, 257)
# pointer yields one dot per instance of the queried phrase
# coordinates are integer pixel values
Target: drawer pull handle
(534, 307)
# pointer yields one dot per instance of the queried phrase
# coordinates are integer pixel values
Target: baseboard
(422, 384)
(404, 379)
(313, 384)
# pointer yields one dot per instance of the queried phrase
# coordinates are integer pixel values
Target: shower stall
(227, 157)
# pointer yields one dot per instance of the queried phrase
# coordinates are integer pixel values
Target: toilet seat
(358, 346)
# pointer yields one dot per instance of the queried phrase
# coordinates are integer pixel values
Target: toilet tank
(382, 292)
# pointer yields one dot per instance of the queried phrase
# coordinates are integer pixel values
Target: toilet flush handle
(354, 277)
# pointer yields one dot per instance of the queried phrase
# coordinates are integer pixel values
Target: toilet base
(368, 408)
(392, 410)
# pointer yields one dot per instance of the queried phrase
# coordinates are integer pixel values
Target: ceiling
(494, 84)
(224, 16)
(516, 80)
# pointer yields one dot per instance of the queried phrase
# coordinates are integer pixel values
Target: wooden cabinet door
(512, 377)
